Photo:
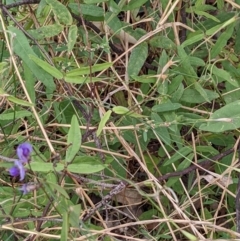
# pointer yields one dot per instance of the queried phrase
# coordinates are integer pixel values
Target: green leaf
(39, 166)
(103, 121)
(65, 226)
(224, 119)
(221, 73)
(86, 165)
(15, 114)
(72, 37)
(222, 41)
(18, 101)
(94, 1)
(133, 4)
(201, 91)
(85, 9)
(137, 59)
(182, 153)
(22, 48)
(88, 70)
(74, 139)
(61, 12)
(192, 40)
(58, 188)
(47, 67)
(147, 79)
(121, 110)
(46, 31)
(193, 96)
(207, 15)
(81, 80)
(162, 42)
(166, 107)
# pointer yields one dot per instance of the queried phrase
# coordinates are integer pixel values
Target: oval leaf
(72, 37)
(166, 107)
(137, 59)
(74, 139)
(224, 119)
(47, 67)
(60, 11)
(88, 70)
(103, 121)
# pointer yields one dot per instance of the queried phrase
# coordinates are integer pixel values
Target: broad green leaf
(193, 96)
(47, 67)
(65, 226)
(61, 12)
(59, 189)
(30, 81)
(182, 153)
(86, 165)
(19, 101)
(137, 59)
(88, 70)
(81, 80)
(207, 15)
(15, 114)
(90, 10)
(160, 129)
(74, 139)
(222, 41)
(221, 73)
(103, 121)
(189, 72)
(22, 48)
(74, 213)
(224, 119)
(147, 79)
(46, 31)
(39, 166)
(121, 110)
(201, 91)
(72, 37)
(133, 4)
(192, 40)
(219, 27)
(94, 1)
(162, 42)
(166, 107)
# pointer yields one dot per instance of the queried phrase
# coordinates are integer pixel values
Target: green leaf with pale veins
(74, 139)
(61, 12)
(46, 31)
(137, 59)
(22, 48)
(47, 67)
(72, 37)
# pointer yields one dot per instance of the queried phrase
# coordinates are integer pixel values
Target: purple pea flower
(23, 152)
(27, 187)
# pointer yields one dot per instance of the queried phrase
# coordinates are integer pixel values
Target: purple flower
(17, 170)
(23, 151)
(27, 187)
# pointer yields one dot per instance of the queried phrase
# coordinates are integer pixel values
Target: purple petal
(21, 169)
(14, 171)
(23, 151)
(24, 189)
(27, 187)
